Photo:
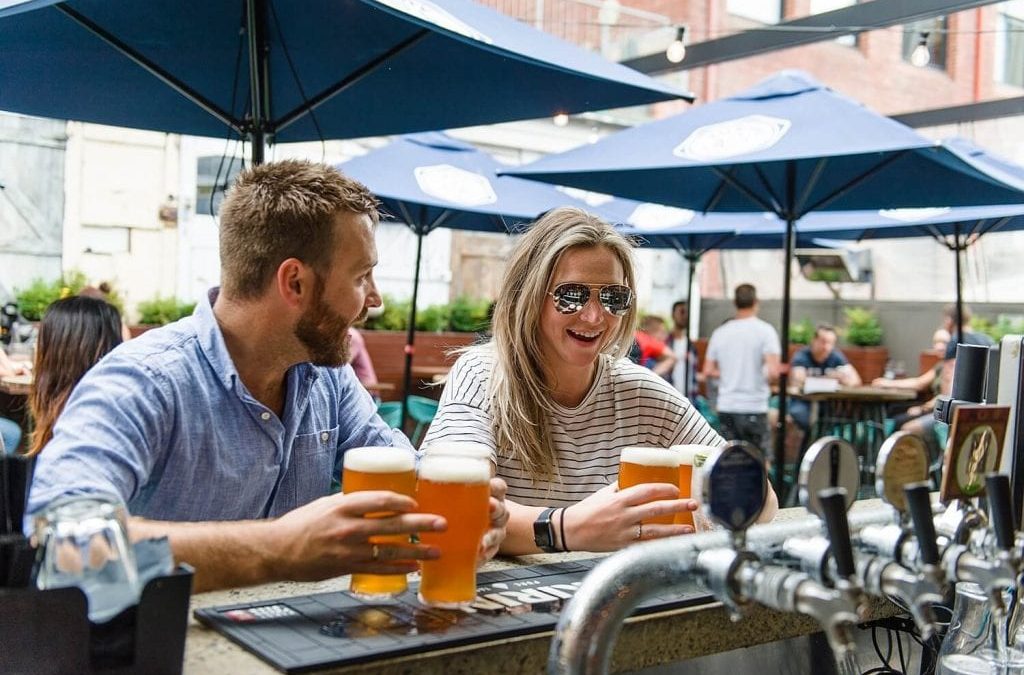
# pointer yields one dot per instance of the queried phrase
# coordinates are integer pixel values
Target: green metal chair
(422, 410)
(391, 413)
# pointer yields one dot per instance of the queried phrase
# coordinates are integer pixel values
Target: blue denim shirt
(165, 422)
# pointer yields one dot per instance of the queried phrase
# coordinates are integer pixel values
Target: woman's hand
(610, 518)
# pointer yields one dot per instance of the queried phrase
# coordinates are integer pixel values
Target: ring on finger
(374, 552)
(639, 531)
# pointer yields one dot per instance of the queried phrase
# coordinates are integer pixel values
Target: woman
(553, 397)
(74, 335)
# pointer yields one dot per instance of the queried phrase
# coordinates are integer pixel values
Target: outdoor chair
(391, 413)
(422, 410)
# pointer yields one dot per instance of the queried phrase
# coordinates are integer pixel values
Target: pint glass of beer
(687, 455)
(649, 465)
(392, 469)
(458, 488)
(460, 449)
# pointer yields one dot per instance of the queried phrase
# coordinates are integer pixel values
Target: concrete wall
(907, 326)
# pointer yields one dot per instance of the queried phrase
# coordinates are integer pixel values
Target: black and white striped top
(628, 405)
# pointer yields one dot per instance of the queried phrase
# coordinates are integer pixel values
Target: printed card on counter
(975, 448)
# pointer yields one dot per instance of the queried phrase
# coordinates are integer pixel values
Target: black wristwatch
(544, 532)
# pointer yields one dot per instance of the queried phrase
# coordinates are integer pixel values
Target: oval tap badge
(455, 185)
(741, 136)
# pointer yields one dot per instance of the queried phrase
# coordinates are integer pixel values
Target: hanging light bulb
(921, 56)
(676, 51)
(560, 120)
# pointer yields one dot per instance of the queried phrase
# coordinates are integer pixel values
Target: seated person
(555, 400)
(223, 431)
(928, 383)
(654, 353)
(74, 334)
(360, 359)
(10, 431)
(819, 359)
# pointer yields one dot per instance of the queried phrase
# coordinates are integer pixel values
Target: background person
(743, 355)
(223, 430)
(682, 349)
(10, 431)
(654, 353)
(74, 334)
(555, 400)
(819, 359)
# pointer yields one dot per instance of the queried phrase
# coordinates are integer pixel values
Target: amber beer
(458, 488)
(687, 455)
(649, 465)
(383, 468)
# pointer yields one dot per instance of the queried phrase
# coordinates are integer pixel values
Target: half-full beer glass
(458, 488)
(392, 469)
(649, 465)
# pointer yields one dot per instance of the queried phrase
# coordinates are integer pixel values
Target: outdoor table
(645, 641)
(16, 385)
(856, 414)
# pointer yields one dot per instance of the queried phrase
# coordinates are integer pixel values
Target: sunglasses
(572, 297)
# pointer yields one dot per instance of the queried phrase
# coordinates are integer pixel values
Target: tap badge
(975, 448)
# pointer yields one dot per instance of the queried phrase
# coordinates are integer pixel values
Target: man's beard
(323, 332)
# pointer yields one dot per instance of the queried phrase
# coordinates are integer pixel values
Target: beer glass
(649, 465)
(383, 468)
(458, 488)
(687, 453)
(461, 449)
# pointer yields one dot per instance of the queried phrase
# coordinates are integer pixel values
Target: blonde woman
(555, 400)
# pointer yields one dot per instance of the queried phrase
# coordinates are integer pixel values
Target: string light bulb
(560, 120)
(676, 51)
(921, 56)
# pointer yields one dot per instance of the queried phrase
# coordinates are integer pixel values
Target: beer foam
(650, 456)
(687, 453)
(459, 449)
(379, 460)
(454, 469)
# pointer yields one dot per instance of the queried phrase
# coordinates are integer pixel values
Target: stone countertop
(645, 641)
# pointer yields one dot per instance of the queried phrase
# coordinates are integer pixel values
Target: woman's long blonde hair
(521, 402)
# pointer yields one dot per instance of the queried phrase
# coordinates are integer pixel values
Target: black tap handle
(920, 505)
(833, 506)
(997, 488)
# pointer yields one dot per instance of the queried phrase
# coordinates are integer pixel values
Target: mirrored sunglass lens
(616, 299)
(571, 298)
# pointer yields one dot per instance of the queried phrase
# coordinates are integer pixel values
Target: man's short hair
(745, 296)
(825, 327)
(680, 303)
(949, 311)
(283, 210)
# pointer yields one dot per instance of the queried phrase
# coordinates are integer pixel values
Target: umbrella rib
(155, 70)
(855, 182)
(309, 105)
(747, 192)
(759, 171)
(819, 169)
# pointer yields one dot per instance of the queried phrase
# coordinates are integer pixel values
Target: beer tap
(737, 577)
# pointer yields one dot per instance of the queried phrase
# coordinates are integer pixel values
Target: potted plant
(159, 311)
(864, 333)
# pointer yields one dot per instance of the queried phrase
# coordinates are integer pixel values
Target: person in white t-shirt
(555, 400)
(743, 354)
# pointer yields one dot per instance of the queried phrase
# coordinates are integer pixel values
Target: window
(822, 6)
(210, 186)
(1009, 66)
(762, 11)
(936, 28)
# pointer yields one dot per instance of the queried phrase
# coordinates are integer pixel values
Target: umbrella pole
(691, 262)
(780, 424)
(410, 339)
(259, 76)
(959, 284)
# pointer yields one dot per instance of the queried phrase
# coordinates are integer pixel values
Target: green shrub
(394, 317)
(862, 327)
(1005, 324)
(38, 295)
(159, 311)
(435, 318)
(801, 332)
(469, 315)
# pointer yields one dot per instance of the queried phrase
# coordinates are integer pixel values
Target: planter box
(387, 351)
(869, 361)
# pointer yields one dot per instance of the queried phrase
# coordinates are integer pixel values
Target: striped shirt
(627, 405)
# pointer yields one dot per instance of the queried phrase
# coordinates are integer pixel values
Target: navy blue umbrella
(297, 70)
(788, 145)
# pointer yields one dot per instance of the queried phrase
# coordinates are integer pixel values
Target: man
(243, 411)
(819, 359)
(744, 355)
(682, 349)
(654, 354)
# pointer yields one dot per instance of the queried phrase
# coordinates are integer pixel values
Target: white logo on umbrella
(741, 136)
(652, 217)
(586, 196)
(428, 11)
(913, 215)
(455, 185)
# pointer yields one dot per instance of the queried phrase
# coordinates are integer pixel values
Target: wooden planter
(869, 361)
(387, 351)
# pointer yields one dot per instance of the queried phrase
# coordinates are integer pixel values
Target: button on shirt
(165, 423)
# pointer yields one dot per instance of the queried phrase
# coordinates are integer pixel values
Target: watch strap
(544, 531)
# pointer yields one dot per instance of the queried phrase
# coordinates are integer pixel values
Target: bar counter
(645, 641)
